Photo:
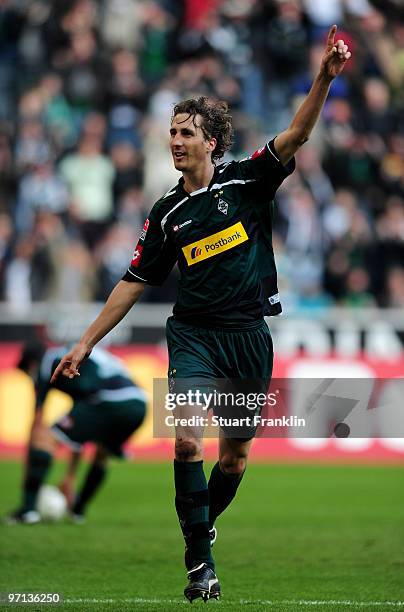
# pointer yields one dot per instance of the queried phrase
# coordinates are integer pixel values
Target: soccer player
(107, 408)
(216, 225)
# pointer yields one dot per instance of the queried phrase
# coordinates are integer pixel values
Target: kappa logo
(178, 227)
(217, 243)
(223, 206)
(196, 252)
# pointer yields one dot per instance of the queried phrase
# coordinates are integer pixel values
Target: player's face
(189, 147)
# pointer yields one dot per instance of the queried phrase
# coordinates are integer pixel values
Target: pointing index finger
(57, 371)
(331, 37)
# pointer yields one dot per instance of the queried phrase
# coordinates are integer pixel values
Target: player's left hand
(335, 56)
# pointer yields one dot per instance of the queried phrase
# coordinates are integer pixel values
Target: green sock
(38, 464)
(192, 505)
(95, 477)
(222, 489)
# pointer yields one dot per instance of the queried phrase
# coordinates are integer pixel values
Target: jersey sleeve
(154, 255)
(264, 165)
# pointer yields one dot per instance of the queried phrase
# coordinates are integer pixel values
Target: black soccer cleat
(203, 583)
(21, 517)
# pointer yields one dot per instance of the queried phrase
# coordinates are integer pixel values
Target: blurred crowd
(86, 93)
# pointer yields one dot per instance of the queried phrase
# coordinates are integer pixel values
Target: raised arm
(121, 300)
(335, 56)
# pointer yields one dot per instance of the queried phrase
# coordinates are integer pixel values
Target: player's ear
(212, 142)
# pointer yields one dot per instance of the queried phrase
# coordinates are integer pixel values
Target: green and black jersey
(221, 237)
(103, 379)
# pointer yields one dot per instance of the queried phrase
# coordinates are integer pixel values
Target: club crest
(222, 206)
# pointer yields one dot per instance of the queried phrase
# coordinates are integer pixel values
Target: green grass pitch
(298, 537)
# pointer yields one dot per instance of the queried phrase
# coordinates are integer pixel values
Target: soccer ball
(51, 504)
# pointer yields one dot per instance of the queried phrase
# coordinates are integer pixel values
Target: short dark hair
(216, 121)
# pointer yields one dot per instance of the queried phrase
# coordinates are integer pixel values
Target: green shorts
(107, 423)
(227, 360)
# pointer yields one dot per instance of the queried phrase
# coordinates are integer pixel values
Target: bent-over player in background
(107, 409)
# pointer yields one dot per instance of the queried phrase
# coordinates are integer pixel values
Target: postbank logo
(196, 252)
(216, 243)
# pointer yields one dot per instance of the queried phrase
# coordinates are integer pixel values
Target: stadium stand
(86, 93)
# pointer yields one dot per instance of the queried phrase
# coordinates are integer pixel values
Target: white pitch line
(262, 602)
(325, 602)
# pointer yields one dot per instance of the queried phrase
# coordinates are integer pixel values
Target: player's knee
(42, 437)
(40, 433)
(187, 449)
(101, 456)
(233, 464)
